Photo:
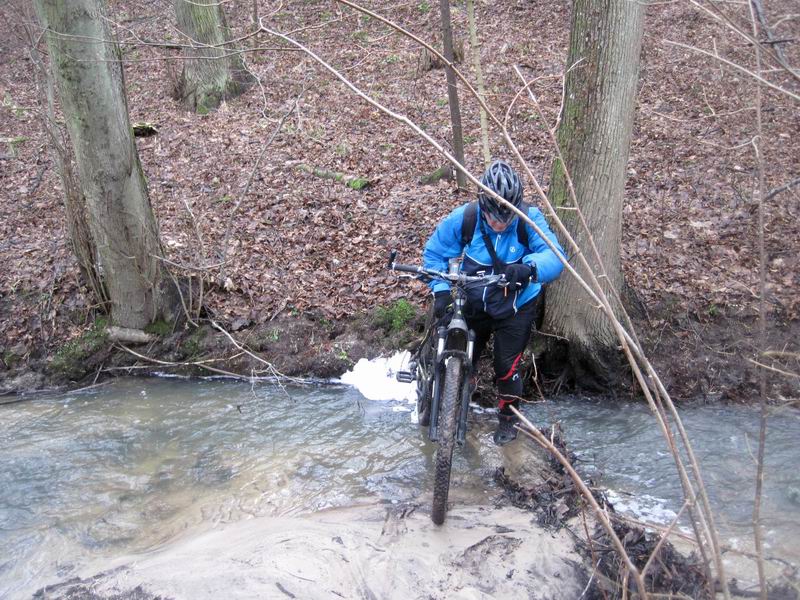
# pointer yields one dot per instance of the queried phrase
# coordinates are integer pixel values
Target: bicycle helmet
(501, 179)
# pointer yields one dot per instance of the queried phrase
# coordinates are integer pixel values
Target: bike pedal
(405, 376)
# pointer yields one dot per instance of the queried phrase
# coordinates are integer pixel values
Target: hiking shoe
(506, 432)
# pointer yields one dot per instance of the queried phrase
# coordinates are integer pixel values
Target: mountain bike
(442, 368)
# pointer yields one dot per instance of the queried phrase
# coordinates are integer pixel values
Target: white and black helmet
(501, 179)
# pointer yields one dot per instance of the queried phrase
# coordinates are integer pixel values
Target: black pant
(511, 336)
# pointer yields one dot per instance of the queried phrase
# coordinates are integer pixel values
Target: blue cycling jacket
(445, 243)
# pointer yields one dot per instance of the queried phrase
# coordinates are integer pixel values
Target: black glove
(518, 275)
(441, 300)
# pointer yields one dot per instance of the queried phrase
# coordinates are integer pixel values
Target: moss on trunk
(594, 136)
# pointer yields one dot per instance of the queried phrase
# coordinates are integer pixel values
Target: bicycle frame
(455, 340)
(449, 382)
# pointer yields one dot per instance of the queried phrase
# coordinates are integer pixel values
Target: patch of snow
(376, 380)
(642, 507)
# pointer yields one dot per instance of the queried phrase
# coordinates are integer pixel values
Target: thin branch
(686, 484)
(762, 325)
(268, 364)
(244, 193)
(739, 68)
(772, 193)
(664, 535)
(189, 267)
(533, 432)
(775, 54)
(774, 369)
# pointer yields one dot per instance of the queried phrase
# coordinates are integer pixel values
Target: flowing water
(127, 467)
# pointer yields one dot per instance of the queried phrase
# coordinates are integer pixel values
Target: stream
(126, 467)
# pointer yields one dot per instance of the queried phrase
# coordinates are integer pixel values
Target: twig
(772, 193)
(202, 364)
(533, 432)
(781, 354)
(686, 484)
(595, 561)
(762, 326)
(664, 535)
(49, 394)
(268, 364)
(774, 369)
(588, 583)
(250, 180)
(776, 54)
(188, 267)
(739, 68)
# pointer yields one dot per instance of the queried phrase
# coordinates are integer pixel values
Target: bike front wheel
(448, 422)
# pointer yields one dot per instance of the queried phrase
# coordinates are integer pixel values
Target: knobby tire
(448, 422)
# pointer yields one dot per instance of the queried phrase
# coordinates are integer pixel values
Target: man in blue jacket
(493, 239)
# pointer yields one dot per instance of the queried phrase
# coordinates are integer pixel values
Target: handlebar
(456, 278)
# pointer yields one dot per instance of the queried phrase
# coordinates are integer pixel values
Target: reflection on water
(133, 464)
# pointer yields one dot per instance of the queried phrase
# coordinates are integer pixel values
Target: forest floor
(305, 280)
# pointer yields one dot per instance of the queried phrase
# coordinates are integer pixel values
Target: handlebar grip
(408, 269)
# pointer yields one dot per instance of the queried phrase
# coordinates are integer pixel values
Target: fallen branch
(251, 354)
(787, 186)
(47, 394)
(774, 369)
(277, 379)
(124, 334)
(533, 432)
(354, 182)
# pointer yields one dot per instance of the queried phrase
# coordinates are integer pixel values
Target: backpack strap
(498, 265)
(468, 223)
(522, 227)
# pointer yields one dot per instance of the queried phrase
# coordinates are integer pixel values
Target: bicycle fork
(466, 391)
(465, 356)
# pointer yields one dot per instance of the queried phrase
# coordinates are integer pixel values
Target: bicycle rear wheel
(448, 422)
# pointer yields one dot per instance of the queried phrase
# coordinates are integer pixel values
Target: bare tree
(80, 236)
(594, 138)
(212, 70)
(88, 72)
(476, 61)
(452, 88)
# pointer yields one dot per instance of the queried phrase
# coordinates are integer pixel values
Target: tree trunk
(88, 71)
(212, 72)
(594, 137)
(476, 61)
(452, 90)
(74, 202)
